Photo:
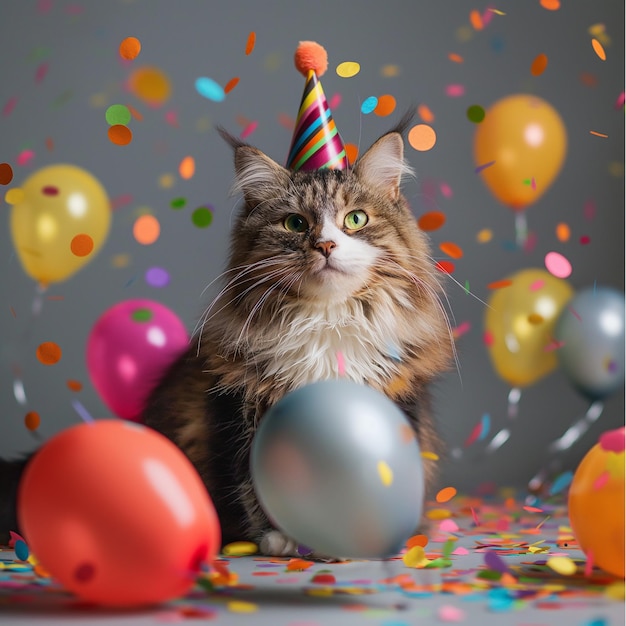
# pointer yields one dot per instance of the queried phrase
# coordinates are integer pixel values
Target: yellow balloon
(60, 222)
(526, 140)
(519, 323)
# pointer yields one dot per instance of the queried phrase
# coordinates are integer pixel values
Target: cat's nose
(325, 247)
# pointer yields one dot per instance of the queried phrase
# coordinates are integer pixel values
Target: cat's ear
(257, 177)
(383, 165)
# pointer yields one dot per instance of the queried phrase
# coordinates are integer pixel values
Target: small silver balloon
(336, 466)
(591, 331)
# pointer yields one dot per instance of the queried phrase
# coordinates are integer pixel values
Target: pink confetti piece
(335, 101)
(450, 613)
(446, 190)
(601, 481)
(488, 338)
(341, 364)
(41, 72)
(9, 106)
(460, 551)
(448, 526)
(536, 285)
(612, 440)
(557, 265)
(171, 117)
(461, 329)
(584, 240)
(25, 157)
(249, 129)
(474, 516)
(455, 91)
(532, 509)
(619, 103)
(589, 563)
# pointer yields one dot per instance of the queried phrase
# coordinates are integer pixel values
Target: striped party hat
(316, 143)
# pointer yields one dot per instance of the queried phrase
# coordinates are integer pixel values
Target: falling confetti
(146, 229)
(187, 167)
(81, 245)
(348, 69)
(551, 5)
(386, 105)
(562, 232)
(369, 104)
(432, 220)
(120, 135)
(422, 137)
(74, 385)
(425, 113)
(475, 113)
(6, 173)
(250, 43)
(455, 58)
(485, 235)
(484, 166)
(597, 134)
(240, 548)
(117, 114)
(499, 284)
(445, 494)
(539, 64)
(557, 265)
(151, 85)
(385, 473)
(562, 565)
(451, 249)
(209, 89)
(231, 84)
(130, 48)
(598, 49)
(32, 420)
(48, 353)
(202, 217)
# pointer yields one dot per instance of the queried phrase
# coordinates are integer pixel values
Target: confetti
(500, 284)
(431, 220)
(414, 556)
(476, 20)
(369, 104)
(445, 494)
(475, 113)
(386, 105)
(431, 456)
(202, 217)
(250, 43)
(21, 550)
(455, 91)
(426, 114)
(422, 137)
(562, 232)
(241, 606)
(187, 167)
(231, 84)
(494, 562)
(551, 5)
(485, 235)
(341, 364)
(74, 385)
(120, 135)
(146, 229)
(130, 48)
(539, 64)
(562, 565)
(348, 69)
(151, 85)
(249, 129)
(32, 421)
(598, 49)
(557, 265)
(451, 249)
(117, 114)
(597, 134)
(209, 89)
(6, 173)
(240, 548)
(450, 613)
(48, 353)
(561, 482)
(455, 58)
(81, 245)
(464, 327)
(385, 473)
(157, 277)
(447, 267)
(352, 152)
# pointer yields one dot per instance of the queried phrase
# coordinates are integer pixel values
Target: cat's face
(326, 234)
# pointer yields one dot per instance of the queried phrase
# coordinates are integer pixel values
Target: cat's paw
(274, 543)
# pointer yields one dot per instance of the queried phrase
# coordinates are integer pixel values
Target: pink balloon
(117, 514)
(128, 350)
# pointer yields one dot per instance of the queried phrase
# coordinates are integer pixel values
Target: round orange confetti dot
(422, 137)
(146, 229)
(231, 84)
(130, 48)
(74, 385)
(120, 135)
(445, 494)
(6, 173)
(48, 353)
(598, 49)
(352, 152)
(563, 232)
(451, 249)
(81, 245)
(32, 420)
(250, 43)
(425, 113)
(386, 105)
(539, 64)
(551, 5)
(431, 220)
(187, 167)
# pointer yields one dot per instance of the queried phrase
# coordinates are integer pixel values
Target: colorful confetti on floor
(485, 561)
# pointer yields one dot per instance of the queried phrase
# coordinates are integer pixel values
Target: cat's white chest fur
(328, 341)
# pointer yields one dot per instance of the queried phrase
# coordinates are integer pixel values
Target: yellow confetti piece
(385, 473)
(615, 591)
(241, 606)
(437, 514)
(166, 181)
(497, 11)
(240, 548)
(431, 456)
(484, 235)
(562, 565)
(389, 71)
(348, 69)
(538, 549)
(414, 556)
(598, 49)
(320, 592)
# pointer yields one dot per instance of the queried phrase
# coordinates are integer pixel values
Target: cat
(321, 262)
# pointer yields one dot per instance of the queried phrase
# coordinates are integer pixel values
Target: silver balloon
(336, 467)
(591, 330)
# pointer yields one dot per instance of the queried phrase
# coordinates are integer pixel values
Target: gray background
(192, 38)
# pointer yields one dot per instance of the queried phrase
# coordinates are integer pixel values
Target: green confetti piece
(202, 217)
(475, 113)
(489, 574)
(118, 114)
(448, 546)
(178, 203)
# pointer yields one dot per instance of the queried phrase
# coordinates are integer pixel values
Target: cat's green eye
(355, 220)
(295, 223)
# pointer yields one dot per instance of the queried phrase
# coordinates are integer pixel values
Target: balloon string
(521, 229)
(504, 434)
(564, 442)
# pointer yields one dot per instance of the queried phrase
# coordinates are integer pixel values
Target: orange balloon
(117, 514)
(526, 140)
(596, 505)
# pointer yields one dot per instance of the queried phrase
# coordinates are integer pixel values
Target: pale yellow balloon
(59, 203)
(520, 146)
(519, 324)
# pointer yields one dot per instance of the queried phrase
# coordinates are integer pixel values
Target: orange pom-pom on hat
(316, 143)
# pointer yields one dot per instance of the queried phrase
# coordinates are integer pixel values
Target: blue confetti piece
(598, 621)
(209, 89)
(21, 550)
(499, 600)
(561, 482)
(485, 426)
(369, 104)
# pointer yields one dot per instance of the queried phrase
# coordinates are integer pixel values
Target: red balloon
(117, 514)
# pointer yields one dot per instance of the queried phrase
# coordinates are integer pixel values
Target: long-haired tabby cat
(321, 263)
